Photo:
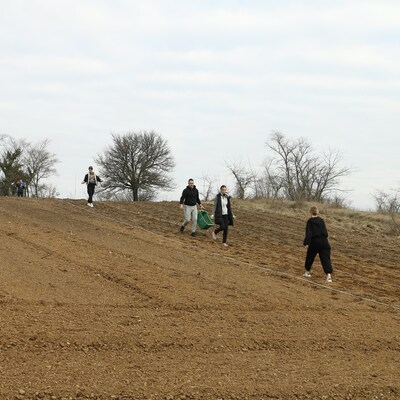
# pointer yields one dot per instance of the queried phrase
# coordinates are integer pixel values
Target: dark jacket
(190, 196)
(315, 230)
(20, 186)
(86, 178)
(217, 210)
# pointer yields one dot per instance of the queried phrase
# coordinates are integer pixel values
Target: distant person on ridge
(222, 213)
(20, 187)
(91, 180)
(317, 241)
(188, 202)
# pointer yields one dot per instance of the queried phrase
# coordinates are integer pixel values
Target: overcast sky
(214, 78)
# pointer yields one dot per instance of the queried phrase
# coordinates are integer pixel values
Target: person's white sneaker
(307, 274)
(213, 235)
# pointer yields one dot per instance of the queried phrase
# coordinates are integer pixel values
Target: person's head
(314, 211)
(191, 182)
(223, 189)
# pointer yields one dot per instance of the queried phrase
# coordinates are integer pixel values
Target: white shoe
(213, 235)
(307, 274)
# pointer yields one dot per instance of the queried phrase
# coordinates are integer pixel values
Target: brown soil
(113, 302)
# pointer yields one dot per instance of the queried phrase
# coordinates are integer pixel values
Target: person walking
(91, 180)
(223, 215)
(188, 203)
(317, 241)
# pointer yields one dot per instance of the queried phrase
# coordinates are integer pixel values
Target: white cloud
(56, 64)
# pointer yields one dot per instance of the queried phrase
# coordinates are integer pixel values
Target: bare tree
(327, 174)
(257, 184)
(138, 163)
(208, 183)
(272, 181)
(297, 173)
(243, 177)
(39, 164)
(47, 191)
(389, 203)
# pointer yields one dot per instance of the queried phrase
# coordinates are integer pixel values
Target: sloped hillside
(114, 303)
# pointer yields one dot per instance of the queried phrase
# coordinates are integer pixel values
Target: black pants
(223, 226)
(90, 190)
(321, 247)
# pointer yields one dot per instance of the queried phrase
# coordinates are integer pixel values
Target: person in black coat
(91, 180)
(222, 214)
(317, 241)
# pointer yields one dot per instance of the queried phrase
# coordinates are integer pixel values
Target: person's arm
(214, 207)
(198, 200)
(307, 239)
(230, 207)
(324, 230)
(85, 179)
(182, 199)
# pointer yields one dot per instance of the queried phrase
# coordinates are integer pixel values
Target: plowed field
(112, 302)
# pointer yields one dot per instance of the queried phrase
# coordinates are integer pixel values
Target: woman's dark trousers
(90, 190)
(321, 247)
(223, 226)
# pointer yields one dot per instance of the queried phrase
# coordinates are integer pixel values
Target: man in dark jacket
(188, 202)
(317, 241)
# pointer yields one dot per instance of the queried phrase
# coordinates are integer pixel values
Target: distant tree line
(136, 165)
